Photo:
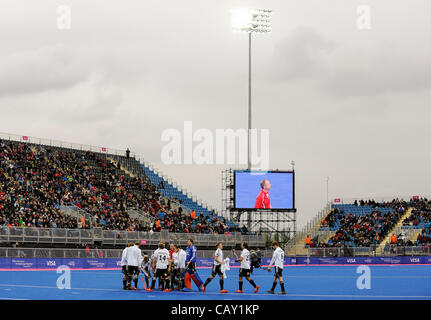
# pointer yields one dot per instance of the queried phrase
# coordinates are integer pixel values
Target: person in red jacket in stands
(263, 201)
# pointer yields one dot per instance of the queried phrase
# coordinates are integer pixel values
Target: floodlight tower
(250, 21)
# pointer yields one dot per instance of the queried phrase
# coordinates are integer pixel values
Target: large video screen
(256, 190)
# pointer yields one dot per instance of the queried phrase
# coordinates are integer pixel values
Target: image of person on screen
(263, 201)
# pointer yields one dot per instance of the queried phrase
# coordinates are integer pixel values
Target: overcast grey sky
(342, 102)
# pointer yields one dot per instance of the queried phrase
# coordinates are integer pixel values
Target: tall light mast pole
(250, 21)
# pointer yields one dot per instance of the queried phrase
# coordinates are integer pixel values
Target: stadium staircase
(167, 187)
(394, 229)
(134, 213)
(172, 191)
(313, 229)
(121, 167)
(132, 166)
(121, 163)
(410, 232)
(296, 246)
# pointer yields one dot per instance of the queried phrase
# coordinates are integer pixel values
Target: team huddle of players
(168, 266)
(176, 268)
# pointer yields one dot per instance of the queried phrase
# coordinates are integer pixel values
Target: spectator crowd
(361, 230)
(36, 182)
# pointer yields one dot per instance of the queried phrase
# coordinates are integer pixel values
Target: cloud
(48, 68)
(338, 101)
(346, 69)
(303, 54)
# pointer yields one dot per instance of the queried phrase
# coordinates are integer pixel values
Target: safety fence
(311, 228)
(309, 253)
(95, 253)
(115, 237)
(389, 250)
(62, 144)
(25, 263)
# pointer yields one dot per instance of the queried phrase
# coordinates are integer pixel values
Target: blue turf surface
(303, 282)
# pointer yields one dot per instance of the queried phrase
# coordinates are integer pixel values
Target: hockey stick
(143, 280)
(234, 253)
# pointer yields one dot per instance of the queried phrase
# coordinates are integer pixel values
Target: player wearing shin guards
(216, 270)
(139, 252)
(179, 262)
(124, 266)
(168, 278)
(161, 263)
(145, 269)
(171, 266)
(133, 258)
(278, 262)
(191, 273)
(245, 268)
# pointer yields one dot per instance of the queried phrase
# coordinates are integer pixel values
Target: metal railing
(309, 253)
(378, 199)
(116, 237)
(389, 250)
(176, 185)
(90, 253)
(74, 211)
(62, 144)
(311, 228)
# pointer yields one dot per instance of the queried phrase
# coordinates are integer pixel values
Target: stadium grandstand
(57, 194)
(60, 194)
(367, 228)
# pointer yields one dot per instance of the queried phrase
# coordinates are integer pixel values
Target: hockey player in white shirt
(146, 270)
(216, 270)
(124, 266)
(245, 268)
(161, 262)
(133, 257)
(179, 267)
(278, 262)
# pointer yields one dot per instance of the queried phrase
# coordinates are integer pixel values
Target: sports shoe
(271, 291)
(224, 291)
(282, 292)
(203, 288)
(238, 291)
(256, 289)
(167, 290)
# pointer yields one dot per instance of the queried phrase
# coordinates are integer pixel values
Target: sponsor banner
(23, 263)
(110, 263)
(96, 263)
(358, 260)
(52, 263)
(204, 262)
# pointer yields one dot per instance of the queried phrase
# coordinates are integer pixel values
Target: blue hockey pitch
(409, 282)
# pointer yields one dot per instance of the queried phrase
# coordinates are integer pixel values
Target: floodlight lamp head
(251, 20)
